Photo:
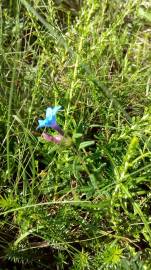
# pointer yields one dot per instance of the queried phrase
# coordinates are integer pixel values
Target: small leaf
(77, 135)
(93, 180)
(86, 144)
(145, 14)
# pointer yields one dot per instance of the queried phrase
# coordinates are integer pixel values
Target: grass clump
(84, 203)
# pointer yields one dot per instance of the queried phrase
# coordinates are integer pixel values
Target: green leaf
(144, 14)
(86, 144)
(77, 135)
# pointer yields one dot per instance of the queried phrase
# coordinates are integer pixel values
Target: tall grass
(83, 204)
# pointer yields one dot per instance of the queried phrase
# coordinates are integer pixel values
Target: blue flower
(50, 120)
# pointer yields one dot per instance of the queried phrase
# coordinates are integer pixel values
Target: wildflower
(56, 139)
(50, 120)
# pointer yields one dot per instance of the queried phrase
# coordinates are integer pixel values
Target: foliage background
(84, 204)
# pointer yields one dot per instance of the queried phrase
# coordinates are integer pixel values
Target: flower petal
(41, 124)
(56, 139)
(50, 120)
(49, 112)
(57, 128)
(56, 109)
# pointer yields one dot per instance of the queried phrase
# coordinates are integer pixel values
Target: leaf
(77, 135)
(86, 144)
(144, 14)
(93, 181)
(53, 31)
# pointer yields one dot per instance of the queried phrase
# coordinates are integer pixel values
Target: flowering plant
(50, 121)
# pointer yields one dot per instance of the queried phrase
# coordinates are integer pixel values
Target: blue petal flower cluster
(50, 121)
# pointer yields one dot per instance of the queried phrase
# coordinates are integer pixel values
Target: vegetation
(84, 203)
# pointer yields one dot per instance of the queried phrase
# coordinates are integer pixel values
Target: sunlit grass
(84, 203)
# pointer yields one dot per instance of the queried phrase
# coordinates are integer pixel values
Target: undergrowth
(83, 204)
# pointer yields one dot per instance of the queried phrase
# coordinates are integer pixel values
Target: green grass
(83, 204)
